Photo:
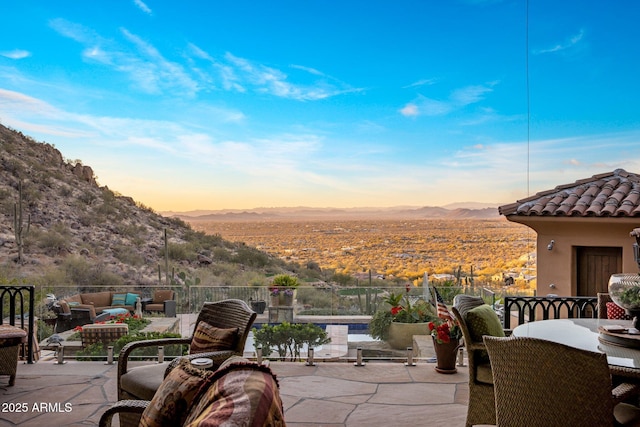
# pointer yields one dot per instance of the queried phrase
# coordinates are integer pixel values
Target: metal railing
(529, 309)
(20, 309)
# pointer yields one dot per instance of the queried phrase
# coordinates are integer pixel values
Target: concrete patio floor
(327, 394)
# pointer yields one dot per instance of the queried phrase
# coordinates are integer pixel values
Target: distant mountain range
(468, 210)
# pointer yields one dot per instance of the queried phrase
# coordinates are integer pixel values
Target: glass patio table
(584, 334)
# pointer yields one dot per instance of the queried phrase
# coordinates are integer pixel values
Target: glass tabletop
(582, 334)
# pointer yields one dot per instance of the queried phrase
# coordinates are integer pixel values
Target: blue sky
(232, 105)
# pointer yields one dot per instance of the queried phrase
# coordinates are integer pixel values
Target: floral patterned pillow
(175, 396)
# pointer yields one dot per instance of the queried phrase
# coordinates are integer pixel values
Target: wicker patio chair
(10, 339)
(603, 299)
(141, 382)
(541, 383)
(481, 407)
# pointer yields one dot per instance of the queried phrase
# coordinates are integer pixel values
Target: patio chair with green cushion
(221, 332)
(540, 383)
(477, 319)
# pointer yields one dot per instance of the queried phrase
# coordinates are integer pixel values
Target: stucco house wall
(600, 211)
(556, 268)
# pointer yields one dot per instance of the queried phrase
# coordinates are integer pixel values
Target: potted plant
(282, 289)
(446, 336)
(402, 320)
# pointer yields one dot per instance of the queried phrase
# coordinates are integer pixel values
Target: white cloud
(410, 110)
(16, 54)
(423, 82)
(568, 44)
(457, 99)
(240, 73)
(142, 6)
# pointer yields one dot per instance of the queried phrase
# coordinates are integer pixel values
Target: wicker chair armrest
(123, 357)
(475, 345)
(123, 406)
(624, 391)
(632, 374)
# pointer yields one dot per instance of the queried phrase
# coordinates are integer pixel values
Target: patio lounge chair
(230, 315)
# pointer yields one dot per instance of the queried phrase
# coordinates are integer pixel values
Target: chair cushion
(97, 299)
(162, 295)
(175, 396)
(209, 338)
(483, 321)
(142, 382)
(483, 373)
(614, 311)
(243, 393)
(118, 299)
(130, 299)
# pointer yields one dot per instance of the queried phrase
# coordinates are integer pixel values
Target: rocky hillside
(75, 231)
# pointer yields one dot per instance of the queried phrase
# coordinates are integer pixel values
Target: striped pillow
(208, 338)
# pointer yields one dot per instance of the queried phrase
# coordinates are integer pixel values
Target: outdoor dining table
(586, 334)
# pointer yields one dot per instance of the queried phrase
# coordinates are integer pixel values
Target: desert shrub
(133, 231)
(128, 255)
(315, 298)
(87, 197)
(251, 257)
(177, 251)
(82, 273)
(51, 242)
(221, 254)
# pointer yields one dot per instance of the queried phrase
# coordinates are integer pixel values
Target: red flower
(443, 336)
(395, 310)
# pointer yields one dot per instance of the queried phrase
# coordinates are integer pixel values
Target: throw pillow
(118, 299)
(162, 295)
(614, 311)
(173, 399)
(130, 299)
(208, 338)
(482, 321)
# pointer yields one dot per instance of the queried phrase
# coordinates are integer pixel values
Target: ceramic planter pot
(401, 334)
(446, 356)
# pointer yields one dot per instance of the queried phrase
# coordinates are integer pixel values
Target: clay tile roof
(614, 193)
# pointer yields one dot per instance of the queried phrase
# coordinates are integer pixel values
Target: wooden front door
(595, 265)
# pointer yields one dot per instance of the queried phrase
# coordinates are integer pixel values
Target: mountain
(305, 213)
(75, 231)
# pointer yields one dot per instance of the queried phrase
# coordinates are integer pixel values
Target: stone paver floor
(327, 394)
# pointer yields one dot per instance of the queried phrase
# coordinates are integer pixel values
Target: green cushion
(130, 299)
(482, 321)
(118, 299)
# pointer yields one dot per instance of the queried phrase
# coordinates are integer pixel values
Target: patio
(330, 393)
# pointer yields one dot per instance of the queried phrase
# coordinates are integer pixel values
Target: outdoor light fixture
(461, 357)
(550, 245)
(259, 355)
(160, 353)
(310, 361)
(109, 355)
(410, 361)
(359, 361)
(60, 355)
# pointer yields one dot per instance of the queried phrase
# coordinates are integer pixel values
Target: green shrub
(288, 338)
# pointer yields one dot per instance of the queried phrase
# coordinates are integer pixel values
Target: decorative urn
(624, 290)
